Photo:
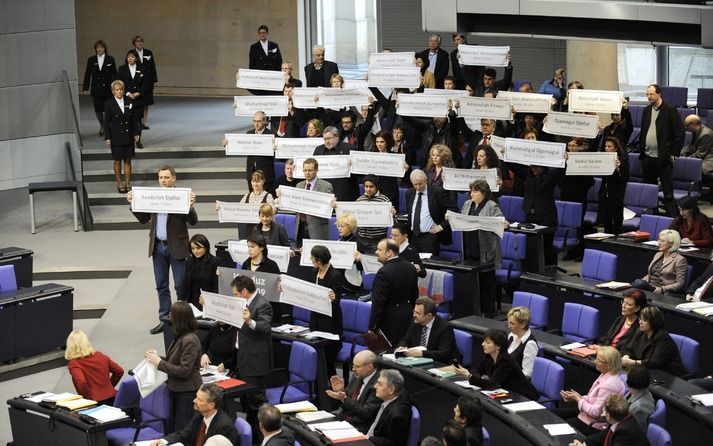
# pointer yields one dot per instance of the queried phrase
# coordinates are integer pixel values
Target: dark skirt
(99, 103)
(148, 97)
(125, 152)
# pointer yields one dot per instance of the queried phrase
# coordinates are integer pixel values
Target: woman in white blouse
(522, 345)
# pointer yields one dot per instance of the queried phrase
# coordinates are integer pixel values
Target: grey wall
(534, 60)
(38, 36)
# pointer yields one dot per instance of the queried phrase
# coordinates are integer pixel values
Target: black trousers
(251, 403)
(655, 172)
(426, 242)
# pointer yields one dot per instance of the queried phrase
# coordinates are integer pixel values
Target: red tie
(309, 186)
(200, 439)
(355, 390)
(281, 128)
(607, 439)
(486, 140)
(352, 139)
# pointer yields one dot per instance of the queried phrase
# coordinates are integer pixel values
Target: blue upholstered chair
(642, 199)
(151, 422)
(464, 343)
(8, 281)
(355, 320)
(580, 323)
(245, 431)
(658, 436)
(511, 205)
(689, 349)
(654, 224)
(569, 224)
(548, 379)
(537, 304)
(658, 416)
(302, 369)
(599, 265)
(414, 433)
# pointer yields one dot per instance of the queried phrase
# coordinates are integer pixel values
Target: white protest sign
(492, 108)
(351, 84)
(342, 252)
(330, 166)
(570, 124)
(460, 179)
(171, 200)
(591, 163)
(378, 163)
(369, 214)
(462, 222)
(472, 122)
(337, 98)
(598, 101)
(305, 97)
(391, 60)
(261, 79)
(243, 144)
(370, 264)
(226, 309)
(498, 144)
(270, 105)
(402, 77)
(294, 147)
(238, 250)
(491, 56)
(238, 212)
(527, 102)
(452, 95)
(422, 105)
(307, 295)
(538, 153)
(318, 204)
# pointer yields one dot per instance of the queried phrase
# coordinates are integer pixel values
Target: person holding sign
(373, 193)
(258, 261)
(201, 272)
(347, 229)
(318, 73)
(486, 158)
(483, 246)
(400, 234)
(393, 293)
(488, 84)
(477, 138)
(611, 192)
(287, 70)
(288, 178)
(438, 130)
(257, 194)
(438, 63)
(324, 274)
(264, 163)
(428, 80)
(575, 189)
(621, 126)
(427, 205)
(168, 245)
(264, 55)
(564, 104)
(273, 232)
(309, 226)
(288, 126)
(439, 156)
(345, 189)
(539, 206)
(401, 145)
(314, 128)
(254, 345)
(555, 86)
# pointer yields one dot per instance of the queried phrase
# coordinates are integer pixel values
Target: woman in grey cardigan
(481, 245)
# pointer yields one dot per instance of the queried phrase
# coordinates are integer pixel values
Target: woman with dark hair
(693, 226)
(564, 104)
(273, 232)
(497, 369)
(101, 72)
(611, 193)
(652, 346)
(259, 262)
(626, 325)
(324, 274)
(201, 272)
(388, 186)
(182, 365)
(136, 84)
(641, 402)
(483, 246)
(621, 126)
(428, 80)
(486, 158)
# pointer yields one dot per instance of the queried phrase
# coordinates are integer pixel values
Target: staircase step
(207, 191)
(231, 167)
(159, 152)
(120, 217)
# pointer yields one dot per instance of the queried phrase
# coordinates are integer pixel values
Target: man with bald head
(264, 163)
(427, 205)
(701, 145)
(359, 403)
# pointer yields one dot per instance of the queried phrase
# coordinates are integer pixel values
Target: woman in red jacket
(691, 224)
(93, 373)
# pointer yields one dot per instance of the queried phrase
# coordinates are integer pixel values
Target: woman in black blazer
(626, 326)
(259, 262)
(121, 124)
(100, 71)
(182, 365)
(324, 274)
(497, 369)
(201, 272)
(653, 346)
(539, 205)
(611, 193)
(137, 83)
(273, 232)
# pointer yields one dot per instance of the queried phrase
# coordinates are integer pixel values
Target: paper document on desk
(704, 398)
(322, 335)
(705, 311)
(690, 306)
(466, 385)
(331, 426)
(571, 346)
(560, 429)
(524, 406)
(299, 406)
(599, 236)
(290, 329)
(105, 413)
(39, 397)
(75, 404)
(53, 398)
(309, 417)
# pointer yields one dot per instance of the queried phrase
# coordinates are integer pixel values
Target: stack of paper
(36, 398)
(299, 406)
(704, 398)
(105, 413)
(560, 429)
(690, 306)
(76, 403)
(599, 236)
(705, 311)
(571, 346)
(444, 372)
(311, 417)
(322, 335)
(613, 285)
(524, 406)
(414, 361)
(339, 431)
(290, 329)
(56, 397)
(467, 385)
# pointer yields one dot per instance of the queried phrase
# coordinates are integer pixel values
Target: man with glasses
(345, 189)
(359, 403)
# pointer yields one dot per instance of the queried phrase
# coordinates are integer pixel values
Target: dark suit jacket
(176, 229)
(411, 255)
(328, 68)
(150, 63)
(361, 411)
(659, 352)
(255, 352)
(393, 293)
(474, 435)
(345, 189)
(334, 280)
(538, 203)
(439, 201)
(614, 329)
(441, 341)
(627, 433)
(394, 424)
(700, 281)
(293, 124)
(120, 126)
(264, 163)
(669, 132)
(261, 61)
(100, 79)
(221, 425)
(442, 64)
(285, 438)
(183, 364)
(503, 373)
(140, 83)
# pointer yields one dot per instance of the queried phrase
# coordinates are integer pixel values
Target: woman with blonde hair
(94, 374)
(522, 345)
(667, 270)
(439, 156)
(347, 229)
(314, 128)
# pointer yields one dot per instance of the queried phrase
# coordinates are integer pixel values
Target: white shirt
(365, 383)
(428, 326)
(100, 60)
(528, 355)
(403, 246)
(426, 221)
(120, 102)
(699, 292)
(141, 55)
(132, 70)
(264, 46)
(206, 421)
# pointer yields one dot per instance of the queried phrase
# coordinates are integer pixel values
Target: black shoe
(139, 145)
(158, 329)
(145, 127)
(101, 132)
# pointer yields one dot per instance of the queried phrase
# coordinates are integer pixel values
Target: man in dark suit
(168, 245)
(345, 189)
(101, 71)
(264, 55)
(254, 345)
(209, 420)
(701, 288)
(393, 293)
(359, 403)
(459, 71)
(437, 59)
(310, 226)
(393, 420)
(660, 142)
(264, 163)
(147, 59)
(468, 412)
(289, 126)
(623, 429)
(428, 331)
(274, 434)
(400, 234)
(427, 206)
(320, 71)
(701, 145)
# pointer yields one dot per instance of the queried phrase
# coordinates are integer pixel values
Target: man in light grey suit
(310, 226)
